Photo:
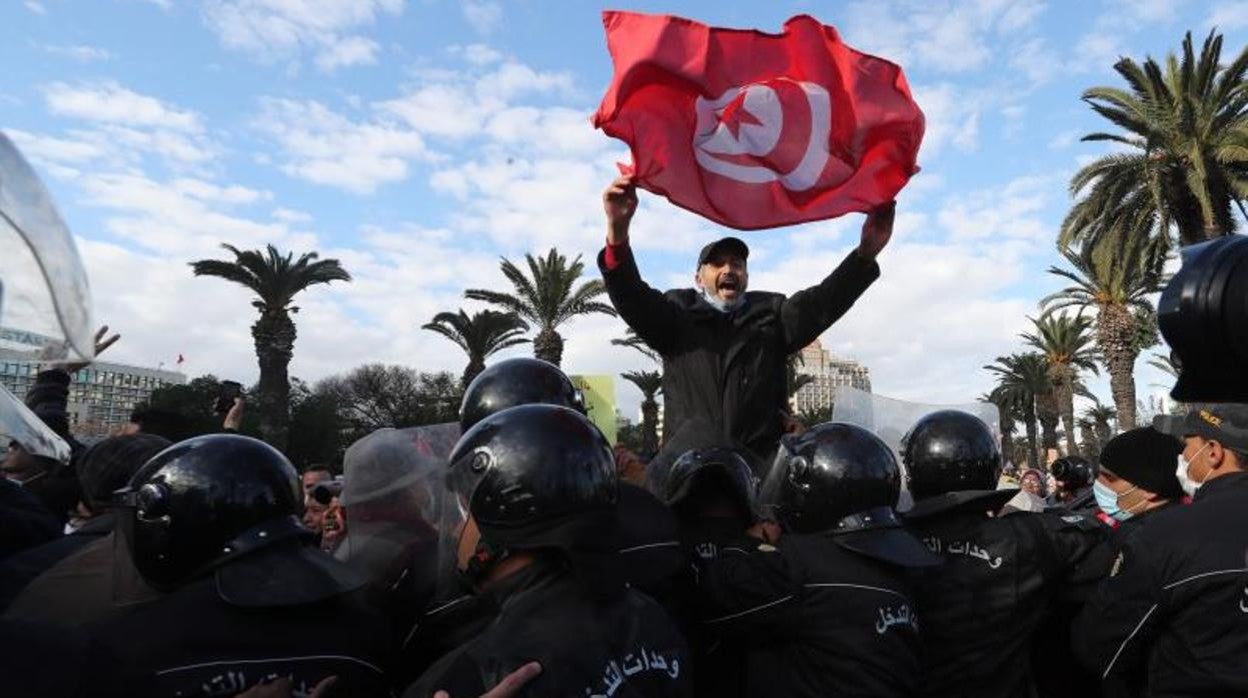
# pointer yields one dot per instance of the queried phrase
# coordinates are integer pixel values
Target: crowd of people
(518, 553)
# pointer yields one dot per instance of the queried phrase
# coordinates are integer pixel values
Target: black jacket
(24, 521)
(813, 618)
(1002, 578)
(19, 570)
(1172, 617)
(622, 645)
(729, 368)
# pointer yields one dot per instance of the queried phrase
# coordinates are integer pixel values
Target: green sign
(599, 392)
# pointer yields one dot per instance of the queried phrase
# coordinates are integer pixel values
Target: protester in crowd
(1074, 476)
(541, 539)
(630, 466)
(1170, 619)
(103, 468)
(1002, 575)
(827, 608)
(724, 348)
(1032, 483)
(314, 474)
(24, 520)
(212, 522)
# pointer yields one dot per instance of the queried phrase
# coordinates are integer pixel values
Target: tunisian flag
(756, 130)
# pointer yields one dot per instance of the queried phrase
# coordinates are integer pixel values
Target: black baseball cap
(1226, 423)
(729, 244)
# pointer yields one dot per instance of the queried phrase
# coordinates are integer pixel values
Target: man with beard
(724, 348)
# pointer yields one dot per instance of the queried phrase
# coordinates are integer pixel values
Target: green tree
(650, 383)
(1101, 417)
(1066, 344)
(1008, 416)
(479, 335)
(547, 298)
(632, 341)
(1115, 279)
(276, 279)
(374, 396)
(316, 434)
(814, 416)
(1185, 127)
(794, 379)
(1091, 444)
(1023, 381)
(179, 412)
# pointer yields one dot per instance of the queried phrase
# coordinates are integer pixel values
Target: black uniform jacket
(729, 368)
(619, 645)
(1172, 617)
(1002, 577)
(814, 619)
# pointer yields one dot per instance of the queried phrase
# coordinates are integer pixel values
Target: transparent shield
(45, 301)
(393, 494)
(890, 419)
(18, 423)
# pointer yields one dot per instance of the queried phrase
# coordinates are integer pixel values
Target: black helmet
(515, 382)
(950, 451)
(700, 469)
(832, 471)
(536, 476)
(205, 501)
(841, 479)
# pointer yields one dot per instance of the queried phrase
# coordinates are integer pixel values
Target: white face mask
(1185, 481)
(721, 305)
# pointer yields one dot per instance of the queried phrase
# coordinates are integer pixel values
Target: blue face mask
(1107, 500)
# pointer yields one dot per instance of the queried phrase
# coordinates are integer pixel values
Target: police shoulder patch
(766, 548)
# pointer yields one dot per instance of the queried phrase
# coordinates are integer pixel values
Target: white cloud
(79, 52)
(484, 16)
(1228, 16)
(36, 7)
(476, 54)
(288, 215)
(1014, 210)
(109, 102)
(327, 148)
(952, 118)
(1065, 139)
(282, 30)
(162, 4)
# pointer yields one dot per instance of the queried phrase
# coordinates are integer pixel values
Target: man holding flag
(751, 130)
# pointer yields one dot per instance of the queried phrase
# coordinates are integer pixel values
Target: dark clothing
(81, 588)
(729, 368)
(1002, 578)
(57, 488)
(18, 571)
(48, 398)
(622, 645)
(191, 643)
(1172, 618)
(814, 619)
(1084, 502)
(24, 521)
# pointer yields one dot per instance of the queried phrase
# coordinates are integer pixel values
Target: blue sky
(419, 140)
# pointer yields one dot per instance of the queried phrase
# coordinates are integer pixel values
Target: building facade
(828, 373)
(101, 396)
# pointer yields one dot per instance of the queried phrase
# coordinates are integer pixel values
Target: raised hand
(877, 230)
(619, 202)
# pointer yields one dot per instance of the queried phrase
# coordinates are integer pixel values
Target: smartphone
(225, 396)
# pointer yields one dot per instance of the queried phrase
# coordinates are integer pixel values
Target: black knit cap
(1145, 457)
(108, 465)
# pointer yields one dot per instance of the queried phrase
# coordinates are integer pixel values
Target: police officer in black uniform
(513, 382)
(1172, 618)
(714, 494)
(214, 524)
(827, 609)
(541, 491)
(1002, 576)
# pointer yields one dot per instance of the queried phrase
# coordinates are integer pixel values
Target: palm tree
(275, 279)
(479, 336)
(632, 341)
(1008, 414)
(1101, 416)
(1115, 278)
(1066, 345)
(1023, 381)
(650, 383)
(546, 298)
(795, 380)
(1091, 446)
(1186, 131)
(1165, 364)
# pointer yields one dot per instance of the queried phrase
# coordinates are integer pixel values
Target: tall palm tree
(1101, 416)
(1114, 278)
(1008, 414)
(1186, 130)
(547, 298)
(1165, 364)
(1091, 445)
(1066, 344)
(276, 279)
(1023, 381)
(632, 341)
(650, 383)
(479, 335)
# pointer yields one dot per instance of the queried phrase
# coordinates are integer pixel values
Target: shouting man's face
(724, 276)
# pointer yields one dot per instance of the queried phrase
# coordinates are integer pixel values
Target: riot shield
(45, 301)
(891, 419)
(18, 423)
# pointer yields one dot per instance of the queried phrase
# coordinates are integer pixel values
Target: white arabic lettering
(616, 673)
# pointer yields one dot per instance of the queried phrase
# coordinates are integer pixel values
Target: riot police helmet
(950, 451)
(521, 381)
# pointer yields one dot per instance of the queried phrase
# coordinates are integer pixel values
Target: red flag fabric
(756, 130)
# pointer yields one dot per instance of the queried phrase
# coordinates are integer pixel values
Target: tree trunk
(1091, 448)
(548, 346)
(474, 369)
(1064, 392)
(1048, 414)
(650, 425)
(1115, 335)
(1033, 448)
(274, 334)
(1103, 433)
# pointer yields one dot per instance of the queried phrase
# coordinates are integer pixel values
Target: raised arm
(808, 313)
(654, 318)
